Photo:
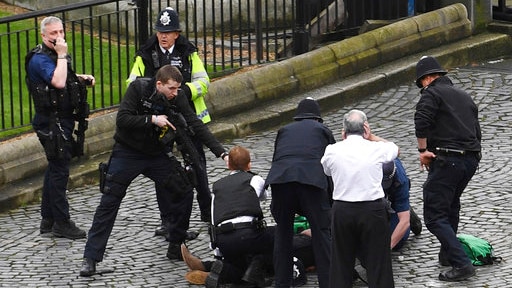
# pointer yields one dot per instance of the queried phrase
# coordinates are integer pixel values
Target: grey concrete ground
(28, 259)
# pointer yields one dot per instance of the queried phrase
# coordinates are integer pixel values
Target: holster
(53, 143)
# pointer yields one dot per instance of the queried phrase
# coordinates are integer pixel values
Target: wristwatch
(421, 150)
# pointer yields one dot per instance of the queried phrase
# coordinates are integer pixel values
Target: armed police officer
(168, 46)
(60, 99)
(151, 108)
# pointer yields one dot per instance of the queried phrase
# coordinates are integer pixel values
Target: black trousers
(447, 178)
(360, 229)
(239, 246)
(203, 196)
(313, 203)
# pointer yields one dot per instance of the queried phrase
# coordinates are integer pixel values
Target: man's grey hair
(49, 20)
(353, 122)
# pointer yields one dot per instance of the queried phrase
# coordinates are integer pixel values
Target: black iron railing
(103, 36)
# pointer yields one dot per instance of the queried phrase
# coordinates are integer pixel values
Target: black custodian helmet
(167, 21)
(388, 173)
(427, 65)
(308, 109)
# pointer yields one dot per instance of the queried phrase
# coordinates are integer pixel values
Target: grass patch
(104, 54)
(92, 53)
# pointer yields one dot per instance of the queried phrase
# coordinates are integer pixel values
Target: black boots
(46, 225)
(415, 222)
(67, 229)
(212, 280)
(163, 230)
(255, 273)
(88, 267)
(457, 274)
(61, 228)
(443, 260)
(299, 273)
(174, 251)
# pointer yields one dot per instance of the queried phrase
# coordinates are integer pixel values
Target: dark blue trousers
(125, 165)
(447, 178)
(54, 202)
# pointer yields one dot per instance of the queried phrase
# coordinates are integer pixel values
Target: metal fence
(100, 43)
(103, 36)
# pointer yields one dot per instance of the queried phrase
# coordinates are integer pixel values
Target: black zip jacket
(135, 130)
(447, 117)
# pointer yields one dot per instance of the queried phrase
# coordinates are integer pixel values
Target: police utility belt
(230, 226)
(455, 152)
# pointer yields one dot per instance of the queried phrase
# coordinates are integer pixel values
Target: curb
(268, 100)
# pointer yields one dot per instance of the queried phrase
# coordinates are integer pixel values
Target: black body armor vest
(234, 197)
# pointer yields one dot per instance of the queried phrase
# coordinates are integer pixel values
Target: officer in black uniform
(448, 135)
(60, 98)
(150, 110)
(300, 186)
(238, 229)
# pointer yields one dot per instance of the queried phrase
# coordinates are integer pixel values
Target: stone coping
(267, 96)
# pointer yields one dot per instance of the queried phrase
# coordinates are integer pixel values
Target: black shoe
(88, 267)
(174, 251)
(46, 225)
(457, 274)
(161, 231)
(443, 260)
(191, 235)
(415, 222)
(212, 281)
(299, 273)
(255, 273)
(67, 229)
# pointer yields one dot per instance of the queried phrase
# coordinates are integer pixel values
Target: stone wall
(23, 158)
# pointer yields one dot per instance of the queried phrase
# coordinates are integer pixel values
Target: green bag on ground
(300, 224)
(480, 251)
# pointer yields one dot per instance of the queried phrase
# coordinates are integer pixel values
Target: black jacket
(135, 130)
(299, 146)
(447, 117)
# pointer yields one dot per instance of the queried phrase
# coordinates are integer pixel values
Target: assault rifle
(81, 113)
(180, 136)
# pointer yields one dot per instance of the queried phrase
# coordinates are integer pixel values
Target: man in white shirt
(360, 224)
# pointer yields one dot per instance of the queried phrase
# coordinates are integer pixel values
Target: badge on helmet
(427, 65)
(168, 21)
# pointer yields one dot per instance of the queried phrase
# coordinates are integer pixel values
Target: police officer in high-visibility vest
(168, 46)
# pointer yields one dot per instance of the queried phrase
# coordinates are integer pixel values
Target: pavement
(28, 259)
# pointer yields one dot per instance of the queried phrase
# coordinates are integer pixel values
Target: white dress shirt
(355, 165)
